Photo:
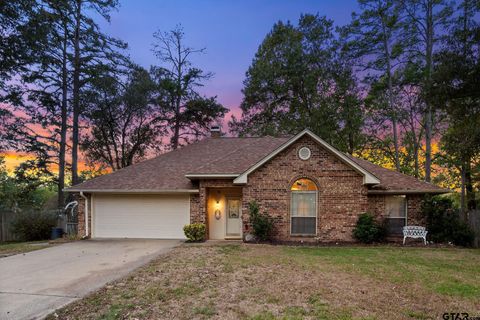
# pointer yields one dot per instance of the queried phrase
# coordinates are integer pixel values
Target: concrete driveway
(34, 284)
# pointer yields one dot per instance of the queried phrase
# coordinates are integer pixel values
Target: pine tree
(424, 21)
(374, 41)
(92, 53)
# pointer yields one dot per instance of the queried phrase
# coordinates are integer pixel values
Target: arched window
(303, 207)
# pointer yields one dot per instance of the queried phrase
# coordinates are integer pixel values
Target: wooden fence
(474, 221)
(6, 218)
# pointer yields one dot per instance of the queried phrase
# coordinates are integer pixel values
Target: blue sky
(231, 32)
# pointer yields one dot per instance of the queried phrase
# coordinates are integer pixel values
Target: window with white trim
(396, 212)
(304, 207)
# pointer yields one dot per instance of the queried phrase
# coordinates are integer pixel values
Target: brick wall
(341, 196)
(414, 213)
(195, 211)
(376, 206)
(81, 215)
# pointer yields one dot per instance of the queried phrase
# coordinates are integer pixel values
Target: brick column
(196, 215)
(81, 215)
(415, 216)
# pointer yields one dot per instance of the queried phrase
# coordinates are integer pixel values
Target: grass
(262, 282)
(11, 248)
(449, 267)
(207, 310)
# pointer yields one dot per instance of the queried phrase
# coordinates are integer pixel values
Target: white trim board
(368, 178)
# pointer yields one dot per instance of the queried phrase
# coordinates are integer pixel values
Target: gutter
(86, 214)
(137, 191)
(211, 175)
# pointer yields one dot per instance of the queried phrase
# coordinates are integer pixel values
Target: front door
(234, 224)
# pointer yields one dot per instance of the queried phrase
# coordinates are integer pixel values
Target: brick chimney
(215, 131)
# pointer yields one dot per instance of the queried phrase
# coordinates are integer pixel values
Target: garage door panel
(140, 216)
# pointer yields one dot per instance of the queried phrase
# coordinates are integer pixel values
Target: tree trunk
(176, 133)
(463, 212)
(393, 115)
(428, 143)
(415, 155)
(395, 143)
(64, 119)
(351, 143)
(178, 101)
(76, 92)
(391, 102)
(428, 79)
(471, 203)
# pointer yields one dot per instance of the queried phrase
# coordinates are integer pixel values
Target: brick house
(313, 191)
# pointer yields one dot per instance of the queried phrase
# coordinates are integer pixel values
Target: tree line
(67, 87)
(396, 82)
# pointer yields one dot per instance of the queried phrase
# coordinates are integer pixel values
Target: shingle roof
(391, 180)
(168, 170)
(233, 156)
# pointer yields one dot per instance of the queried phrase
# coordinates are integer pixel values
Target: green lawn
(454, 271)
(11, 248)
(240, 281)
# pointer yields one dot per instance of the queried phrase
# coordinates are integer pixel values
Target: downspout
(86, 214)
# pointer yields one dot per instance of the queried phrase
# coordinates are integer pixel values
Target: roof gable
(368, 178)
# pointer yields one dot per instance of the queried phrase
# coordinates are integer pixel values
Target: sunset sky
(231, 32)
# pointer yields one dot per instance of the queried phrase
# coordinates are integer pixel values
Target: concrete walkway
(34, 284)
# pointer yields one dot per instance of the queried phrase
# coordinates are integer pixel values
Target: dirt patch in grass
(241, 281)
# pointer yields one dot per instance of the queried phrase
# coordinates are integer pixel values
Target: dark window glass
(301, 225)
(396, 211)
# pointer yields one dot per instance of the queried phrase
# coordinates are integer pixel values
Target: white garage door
(140, 216)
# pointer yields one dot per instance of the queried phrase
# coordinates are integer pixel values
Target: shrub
(34, 225)
(368, 230)
(195, 232)
(444, 224)
(262, 223)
